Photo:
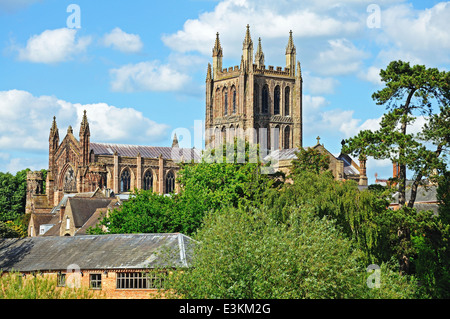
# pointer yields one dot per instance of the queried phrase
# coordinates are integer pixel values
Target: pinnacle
(290, 48)
(248, 39)
(84, 122)
(217, 50)
(54, 126)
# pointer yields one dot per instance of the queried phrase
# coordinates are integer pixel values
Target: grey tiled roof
(82, 209)
(146, 151)
(115, 251)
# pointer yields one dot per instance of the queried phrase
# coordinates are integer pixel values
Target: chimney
(62, 210)
(396, 170)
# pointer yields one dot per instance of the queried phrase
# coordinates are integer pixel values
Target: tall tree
(409, 92)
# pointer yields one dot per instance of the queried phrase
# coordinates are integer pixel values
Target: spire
(290, 48)
(84, 124)
(54, 128)
(290, 55)
(217, 50)
(175, 141)
(248, 40)
(247, 50)
(54, 134)
(259, 56)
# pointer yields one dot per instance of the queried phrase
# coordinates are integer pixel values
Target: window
(148, 180)
(225, 103)
(256, 98)
(95, 281)
(287, 137)
(234, 101)
(170, 182)
(265, 99)
(287, 97)
(67, 223)
(140, 280)
(61, 280)
(125, 180)
(276, 101)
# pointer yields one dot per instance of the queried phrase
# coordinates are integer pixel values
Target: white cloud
(318, 85)
(122, 41)
(418, 36)
(342, 57)
(53, 46)
(372, 75)
(148, 76)
(268, 19)
(25, 121)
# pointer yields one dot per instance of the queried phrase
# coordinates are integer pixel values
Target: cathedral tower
(264, 105)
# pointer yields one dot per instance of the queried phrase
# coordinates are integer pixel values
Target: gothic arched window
(234, 100)
(256, 98)
(265, 99)
(276, 100)
(287, 137)
(225, 103)
(170, 182)
(148, 180)
(276, 137)
(125, 181)
(287, 97)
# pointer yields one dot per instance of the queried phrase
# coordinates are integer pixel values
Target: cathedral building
(81, 168)
(262, 104)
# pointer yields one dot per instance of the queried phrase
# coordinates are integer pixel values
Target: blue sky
(139, 67)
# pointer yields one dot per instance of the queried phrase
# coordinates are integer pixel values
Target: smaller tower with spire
(259, 56)
(217, 56)
(247, 49)
(290, 55)
(175, 141)
(84, 139)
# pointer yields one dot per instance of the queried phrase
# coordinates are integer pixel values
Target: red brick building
(114, 266)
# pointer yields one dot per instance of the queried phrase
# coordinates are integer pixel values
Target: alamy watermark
(374, 18)
(74, 20)
(374, 280)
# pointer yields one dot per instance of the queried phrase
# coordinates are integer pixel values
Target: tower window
(276, 101)
(265, 99)
(287, 97)
(225, 103)
(287, 137)
(234, 101)
(125, 181)
(256, 98)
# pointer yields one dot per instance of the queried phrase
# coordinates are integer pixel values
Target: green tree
(354, 211)
(311, 160)
(409, 92)
(244, 253)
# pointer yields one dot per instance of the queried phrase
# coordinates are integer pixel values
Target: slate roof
(289, 154)
(146, 151)
(96, 252)
(82, 209)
